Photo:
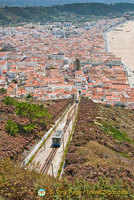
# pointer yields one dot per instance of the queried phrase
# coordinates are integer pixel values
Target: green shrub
(11, 127)
(26, 110)
(29, 96)
(3, 91)
(28, 128)
(77, 64)
(10, 101)
(33, 112)
(15, 81)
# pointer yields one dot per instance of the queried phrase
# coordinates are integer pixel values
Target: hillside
(102, 145)
(56, 2)
(99, 162)
(25, 130)
(68, 12)
(18, 183)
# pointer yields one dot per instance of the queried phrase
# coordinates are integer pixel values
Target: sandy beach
(121, 43)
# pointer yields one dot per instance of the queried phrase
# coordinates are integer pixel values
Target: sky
(55, 2)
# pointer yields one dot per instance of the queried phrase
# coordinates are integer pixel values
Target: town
(66, 101)
(56, 60)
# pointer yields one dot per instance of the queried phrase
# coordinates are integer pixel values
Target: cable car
(57, 138)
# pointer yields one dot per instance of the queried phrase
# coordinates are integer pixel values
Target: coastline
(121, 47)
(105, 36)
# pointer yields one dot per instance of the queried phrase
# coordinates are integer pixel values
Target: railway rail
(69, 117)
(51, 156)
(48, 161)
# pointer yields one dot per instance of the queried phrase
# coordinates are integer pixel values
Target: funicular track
(52, 154)
(48, 161)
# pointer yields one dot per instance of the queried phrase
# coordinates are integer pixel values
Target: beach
(121, 43)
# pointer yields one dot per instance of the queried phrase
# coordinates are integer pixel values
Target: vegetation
(98, 165)
(38, 115)
(26, 129)
(3, 91)
(77, 64)
(28, 132)
(29, 96)
(26, 110)
(11, 128)
(33, 112)
(101, 146)
(117, 121)
(10, 101)
(69, 12)
(19, 183)
(15, 81)
(116, 133)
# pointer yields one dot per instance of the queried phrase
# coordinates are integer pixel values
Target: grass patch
(96, 154)
(116, 133)
(123, 154)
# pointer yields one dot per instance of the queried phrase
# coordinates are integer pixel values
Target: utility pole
(63, 140)
(44, 145)
(63, 120)
(70, 128)
(52, 169)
